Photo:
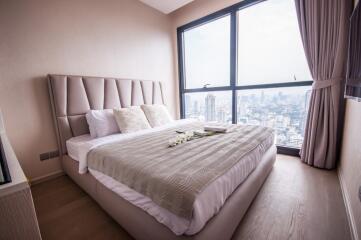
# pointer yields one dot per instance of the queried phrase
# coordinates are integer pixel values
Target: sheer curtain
(324, 28)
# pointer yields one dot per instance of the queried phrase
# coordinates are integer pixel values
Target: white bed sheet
(78, 147)
(207, 204)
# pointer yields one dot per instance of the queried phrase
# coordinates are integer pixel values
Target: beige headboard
(72, 96)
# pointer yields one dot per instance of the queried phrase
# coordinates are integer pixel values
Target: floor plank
(66, 212)
(296, 202)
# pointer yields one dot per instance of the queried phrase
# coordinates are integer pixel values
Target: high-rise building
(307, 99)
(305, 108)
(210, 108)
(221, 115)
(262, 97)
(195, 108)
(188, 106)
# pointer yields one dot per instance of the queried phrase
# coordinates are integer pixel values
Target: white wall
(115, 38)
(350, 164)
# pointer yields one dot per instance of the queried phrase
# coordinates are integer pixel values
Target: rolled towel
(203, 133)
(218, 129)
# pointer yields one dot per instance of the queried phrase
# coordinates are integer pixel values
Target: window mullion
(181, 72)
(233, 66)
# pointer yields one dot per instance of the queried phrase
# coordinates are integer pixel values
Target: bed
(215, 211)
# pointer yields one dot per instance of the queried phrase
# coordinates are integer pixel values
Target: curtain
(324, 30)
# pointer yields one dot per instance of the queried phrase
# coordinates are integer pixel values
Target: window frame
(233, 87)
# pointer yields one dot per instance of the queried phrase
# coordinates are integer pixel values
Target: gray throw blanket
(172, 177)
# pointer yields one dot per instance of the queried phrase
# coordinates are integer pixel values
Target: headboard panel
(73, 96)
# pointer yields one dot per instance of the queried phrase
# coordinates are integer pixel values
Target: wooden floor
(296, 202)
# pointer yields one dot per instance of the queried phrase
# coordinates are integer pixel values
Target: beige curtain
(324, 29)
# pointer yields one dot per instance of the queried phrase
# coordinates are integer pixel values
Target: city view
(283, 109)
(269, 51)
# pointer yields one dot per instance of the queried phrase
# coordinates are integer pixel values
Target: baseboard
(46, 177)
(346, 199)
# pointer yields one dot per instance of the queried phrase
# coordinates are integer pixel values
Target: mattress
(78, 147)
(207, 204)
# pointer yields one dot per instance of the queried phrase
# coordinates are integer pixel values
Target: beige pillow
(130, 119)
(157, 114)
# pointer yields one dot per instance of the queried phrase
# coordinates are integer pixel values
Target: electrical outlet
(49, 155)
(54, 154)
(44, 156)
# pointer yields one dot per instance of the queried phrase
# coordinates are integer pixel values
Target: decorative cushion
(131, 119)
(157, 114)
(101, 123)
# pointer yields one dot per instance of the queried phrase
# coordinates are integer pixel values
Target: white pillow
(157, 114)
(131, 119)
(101, 123)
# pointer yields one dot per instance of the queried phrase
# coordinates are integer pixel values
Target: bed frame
(72, 96)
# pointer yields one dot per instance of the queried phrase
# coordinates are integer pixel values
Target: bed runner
(173, 177)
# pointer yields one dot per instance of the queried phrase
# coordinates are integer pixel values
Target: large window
(201, 65)
(269, 44)
(284, 109)
(246, 64)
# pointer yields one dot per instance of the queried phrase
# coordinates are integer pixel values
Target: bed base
(143, 226)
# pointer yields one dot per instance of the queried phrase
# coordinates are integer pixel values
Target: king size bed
(200, 189)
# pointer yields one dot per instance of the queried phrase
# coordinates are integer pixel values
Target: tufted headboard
(72, 96)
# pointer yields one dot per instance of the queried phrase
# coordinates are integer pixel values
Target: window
(269, 44)
(246, 64)
(201, 65)
(284, 109)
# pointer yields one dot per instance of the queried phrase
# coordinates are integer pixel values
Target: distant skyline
(284, 109)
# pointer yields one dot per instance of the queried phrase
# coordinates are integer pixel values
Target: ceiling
(166, 6)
